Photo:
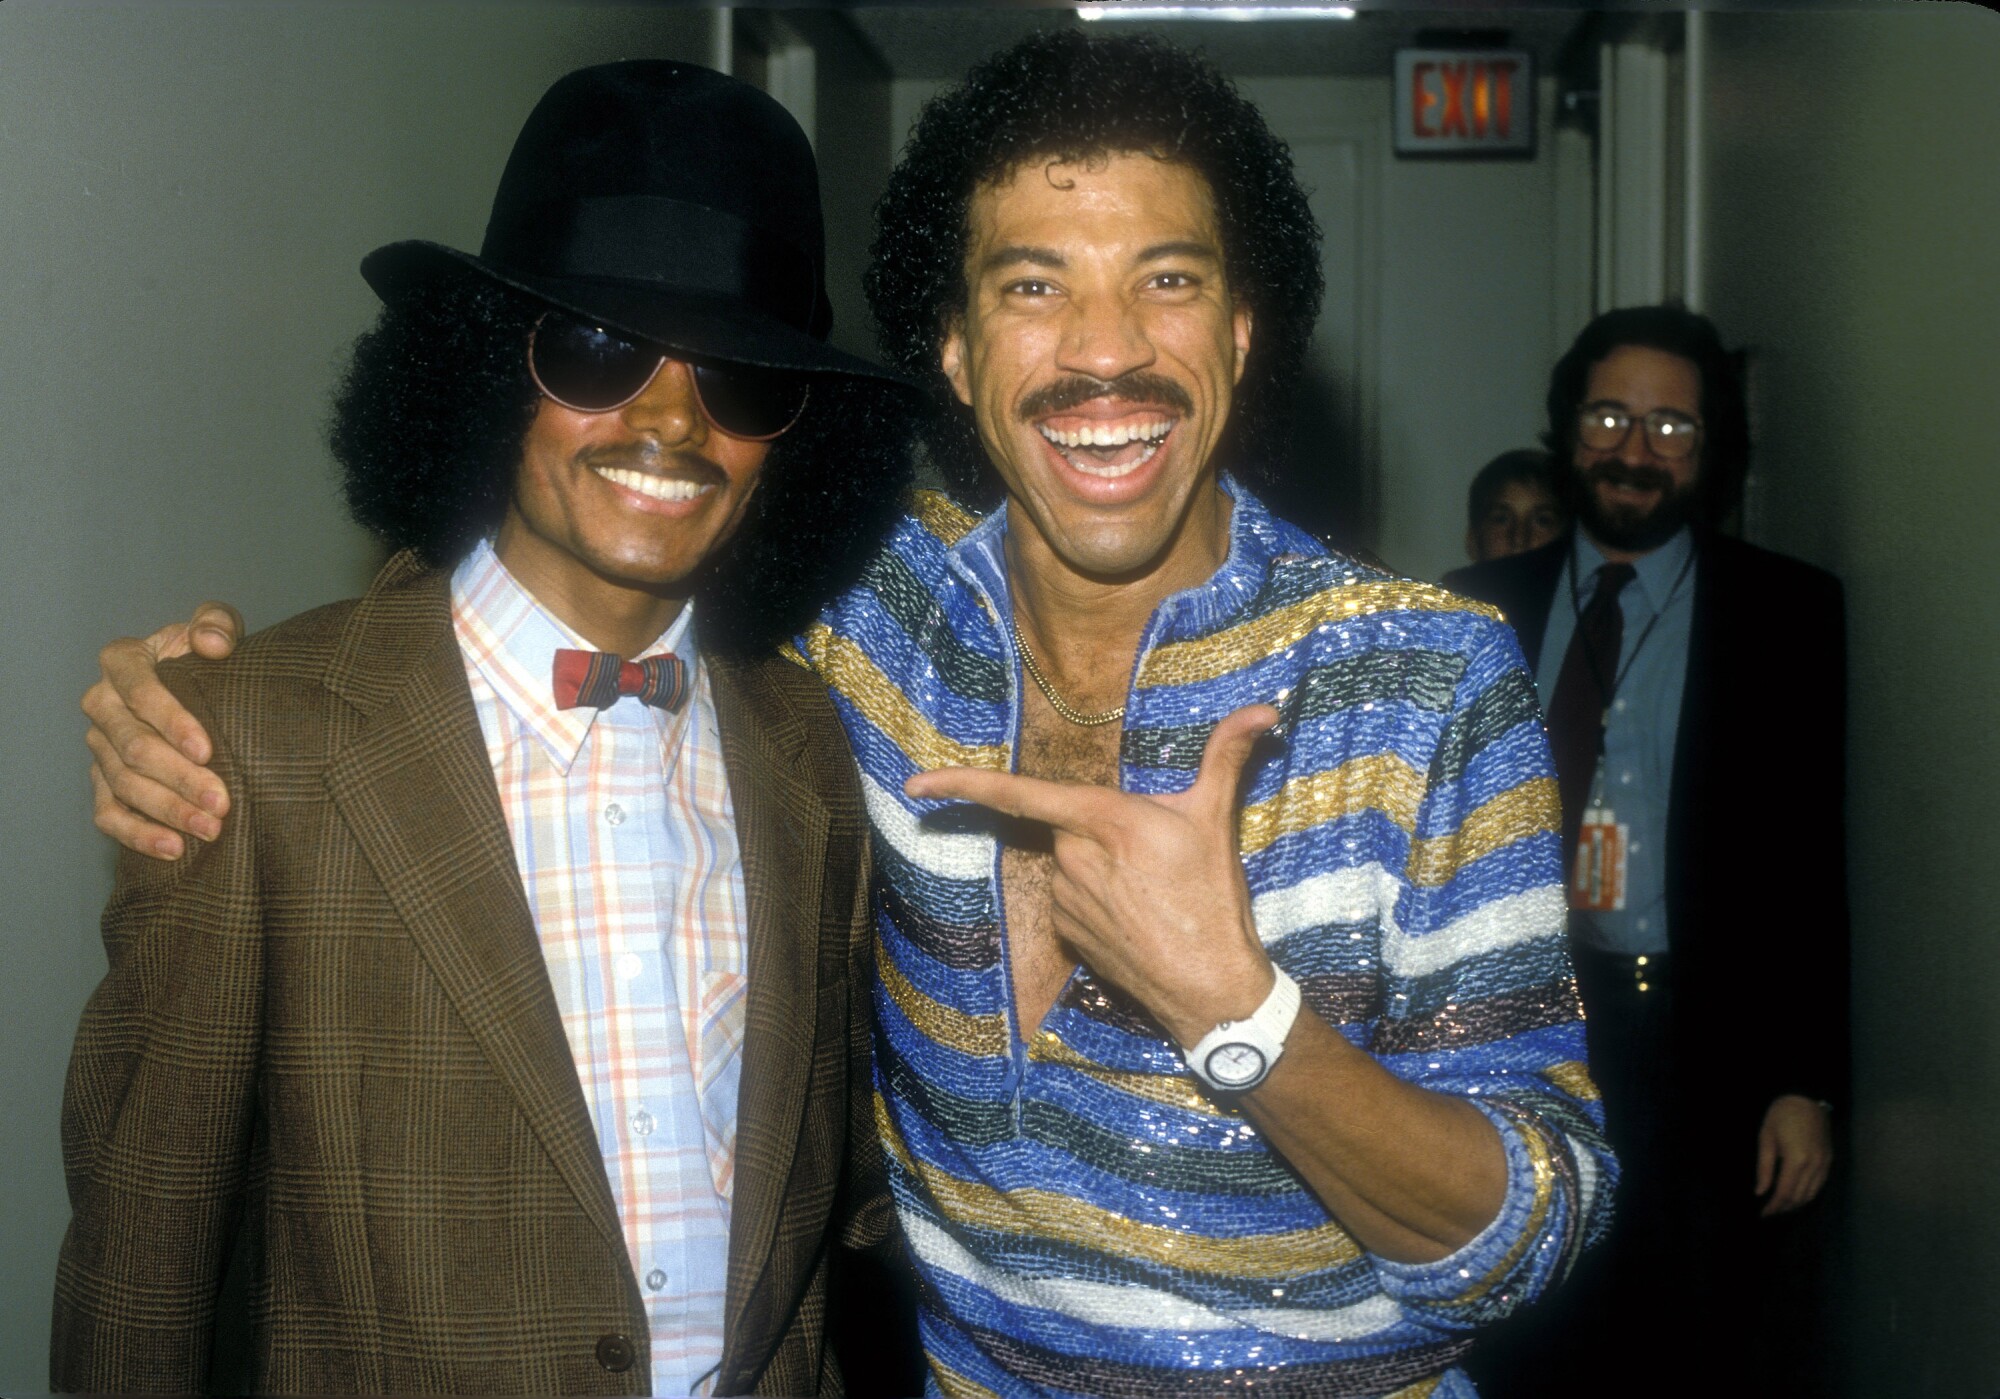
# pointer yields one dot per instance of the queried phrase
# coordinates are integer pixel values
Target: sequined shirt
(1086, 1219)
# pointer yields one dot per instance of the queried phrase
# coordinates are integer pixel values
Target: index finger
(1767, 1160)
(133, 674)
(1063, 805)
(1785, 1195)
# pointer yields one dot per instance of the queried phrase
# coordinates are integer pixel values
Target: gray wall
(851, 141)
(184, 193)
(1854, 190)
(1438, 333)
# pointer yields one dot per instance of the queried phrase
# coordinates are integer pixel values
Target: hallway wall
(1445, 300)
(1853, 193)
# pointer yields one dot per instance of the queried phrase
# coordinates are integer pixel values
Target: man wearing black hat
(512, 1033)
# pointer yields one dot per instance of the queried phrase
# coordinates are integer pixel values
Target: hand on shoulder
(148, 777)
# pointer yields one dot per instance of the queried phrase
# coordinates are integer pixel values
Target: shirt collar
(1255, 542)
(1654, 573)
(511, 640)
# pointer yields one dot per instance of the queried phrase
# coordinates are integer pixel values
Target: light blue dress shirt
(1636, 776)
(617, 873)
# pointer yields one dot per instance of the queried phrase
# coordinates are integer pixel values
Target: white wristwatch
(1235, 1056)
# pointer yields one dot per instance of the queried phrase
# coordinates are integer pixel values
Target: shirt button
(614, 1353)
(630, 965)
(643, 1123)
(656, 1279)
(1642, 928)
(1625, 777)
(615, 814)
(1618, 705)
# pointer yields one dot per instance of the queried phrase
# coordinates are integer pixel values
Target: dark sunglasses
(594, 370)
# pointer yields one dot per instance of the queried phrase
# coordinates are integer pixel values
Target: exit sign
(1465, 102)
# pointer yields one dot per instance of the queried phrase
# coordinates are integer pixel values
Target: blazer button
(614, 1353)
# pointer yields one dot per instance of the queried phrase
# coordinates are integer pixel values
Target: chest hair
(1038, 959)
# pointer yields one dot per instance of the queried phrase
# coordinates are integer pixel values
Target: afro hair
(428, 425)
(1066, 95)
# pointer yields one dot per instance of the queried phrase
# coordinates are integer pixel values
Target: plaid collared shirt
(626, 841)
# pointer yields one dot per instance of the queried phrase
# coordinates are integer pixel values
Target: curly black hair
(428, 424)
(1725, 414)
(1068, 95)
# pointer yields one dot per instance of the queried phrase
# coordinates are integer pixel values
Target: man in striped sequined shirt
(1225, 1035)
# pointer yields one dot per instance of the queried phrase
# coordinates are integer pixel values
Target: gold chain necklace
(1056, 702)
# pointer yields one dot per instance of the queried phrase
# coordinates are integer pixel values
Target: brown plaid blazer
(327, 1043)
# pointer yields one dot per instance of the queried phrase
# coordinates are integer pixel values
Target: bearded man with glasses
(1695, 691)
(512, 1031)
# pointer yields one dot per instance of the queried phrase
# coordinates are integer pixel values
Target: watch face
(1236, 1065)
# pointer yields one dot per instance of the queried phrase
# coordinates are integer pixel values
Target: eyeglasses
(594, 370)
(1603, 427)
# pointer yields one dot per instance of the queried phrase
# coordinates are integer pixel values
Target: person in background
(513, 1028)
(1513, 505)
(1695, 687)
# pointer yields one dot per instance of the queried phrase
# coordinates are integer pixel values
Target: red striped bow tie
(599, 679)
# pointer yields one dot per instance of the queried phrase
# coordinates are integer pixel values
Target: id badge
(1597, 883)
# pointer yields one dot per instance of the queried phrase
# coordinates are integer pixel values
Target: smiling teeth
(654, 487)
(1108, 436)
(1111, 473)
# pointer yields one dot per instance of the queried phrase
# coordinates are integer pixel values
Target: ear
(1239, 325)
(951, 359)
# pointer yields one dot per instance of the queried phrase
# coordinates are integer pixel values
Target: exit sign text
(1465, 102)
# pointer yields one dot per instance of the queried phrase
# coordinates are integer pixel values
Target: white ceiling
(943, 40)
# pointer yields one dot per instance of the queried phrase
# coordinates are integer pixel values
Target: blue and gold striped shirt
(1084, 1217)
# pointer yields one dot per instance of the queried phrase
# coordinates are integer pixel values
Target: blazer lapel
(415, 787)
(1541, 576)
(782, 827)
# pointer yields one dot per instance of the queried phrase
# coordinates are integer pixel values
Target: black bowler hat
(665, 201)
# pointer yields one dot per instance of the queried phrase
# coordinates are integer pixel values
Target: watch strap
(1265, 1030)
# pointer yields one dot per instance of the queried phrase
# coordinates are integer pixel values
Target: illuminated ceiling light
(1111, 9)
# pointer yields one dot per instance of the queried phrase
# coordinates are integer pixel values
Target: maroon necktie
(599, 679)
(1583, 692)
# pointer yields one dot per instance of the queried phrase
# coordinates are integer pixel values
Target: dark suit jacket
(1756, 871)
(332, 1031)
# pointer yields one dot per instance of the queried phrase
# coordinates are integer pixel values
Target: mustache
(1075, 390)
(648, 456)
(1618, 473)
